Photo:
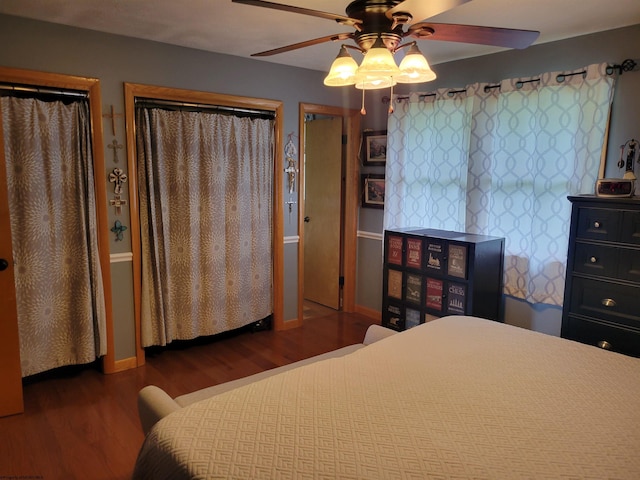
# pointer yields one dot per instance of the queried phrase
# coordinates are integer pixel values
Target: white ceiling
(235, 29)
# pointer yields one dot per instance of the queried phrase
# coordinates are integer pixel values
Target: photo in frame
(374, 147)
(373, 190)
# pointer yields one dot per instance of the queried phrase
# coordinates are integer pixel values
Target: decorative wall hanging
(373, 191)
(117, 177)
(118, 202)
(115, 146)
(291, 153)
(112, 115)
(118, 228)
(632, 147)
(374, 148)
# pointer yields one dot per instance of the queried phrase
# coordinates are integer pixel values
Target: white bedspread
(455, 398)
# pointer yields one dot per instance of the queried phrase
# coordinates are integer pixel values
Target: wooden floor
(81, 424)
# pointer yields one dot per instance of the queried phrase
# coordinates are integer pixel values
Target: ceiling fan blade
(422, 9)
(499, 37)
(308, 43)
(304, 11)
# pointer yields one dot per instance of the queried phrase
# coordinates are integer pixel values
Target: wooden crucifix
(112, 115)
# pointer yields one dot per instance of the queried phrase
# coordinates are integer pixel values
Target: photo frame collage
(373, 153)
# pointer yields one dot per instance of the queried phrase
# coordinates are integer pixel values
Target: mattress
(458, 397)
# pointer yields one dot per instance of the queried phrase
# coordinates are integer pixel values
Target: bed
(458, 397)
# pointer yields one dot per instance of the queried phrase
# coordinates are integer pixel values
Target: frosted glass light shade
(414, 68)
(343, 70)
(374, 82)
(377, 62)
(378, 68)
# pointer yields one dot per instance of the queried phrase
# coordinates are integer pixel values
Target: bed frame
(154, 403)
(457, 397)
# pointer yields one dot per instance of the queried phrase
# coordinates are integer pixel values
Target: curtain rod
(152, 102)
(627, 65)
(43, 90)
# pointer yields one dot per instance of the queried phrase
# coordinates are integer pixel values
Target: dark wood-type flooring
(82, 424)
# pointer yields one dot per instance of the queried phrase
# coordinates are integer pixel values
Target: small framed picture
(373, 191)
(374, 148)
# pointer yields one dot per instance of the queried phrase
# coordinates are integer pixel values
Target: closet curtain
(501, 160)
(206, 187)
(59, 291)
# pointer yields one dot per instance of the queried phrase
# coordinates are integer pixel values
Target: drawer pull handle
(596, 224)
(593, 260)
(608, 302)
(604, 345)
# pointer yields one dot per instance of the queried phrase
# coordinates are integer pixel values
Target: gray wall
(116, 59)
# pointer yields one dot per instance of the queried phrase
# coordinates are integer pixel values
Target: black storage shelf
(431, 273)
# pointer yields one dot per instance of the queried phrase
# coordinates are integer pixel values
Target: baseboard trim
(369, 312)
(124, 364)
(289, 324)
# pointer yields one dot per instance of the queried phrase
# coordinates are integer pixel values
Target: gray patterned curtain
(501, 161)
(206, 185)
(59, 292)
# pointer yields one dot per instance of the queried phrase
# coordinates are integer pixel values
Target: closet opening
(55, 282)
(205, 176)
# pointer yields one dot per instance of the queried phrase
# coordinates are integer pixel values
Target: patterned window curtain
(532, 143)
(427, 154)
(59, 291)
(206, 183)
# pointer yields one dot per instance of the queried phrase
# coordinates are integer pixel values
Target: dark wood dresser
(602, 289)
(431, 273)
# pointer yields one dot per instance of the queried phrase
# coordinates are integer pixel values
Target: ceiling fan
(379, 28)
(387, 19)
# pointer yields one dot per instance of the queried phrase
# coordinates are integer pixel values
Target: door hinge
(341, 281)
(344, 139)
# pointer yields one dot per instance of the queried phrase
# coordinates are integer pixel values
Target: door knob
(306, 219)
(3, 264)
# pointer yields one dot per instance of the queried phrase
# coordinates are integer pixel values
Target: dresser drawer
(598, 224)
(607, 261)
(631, 227)
(629, 264)
(606, 300)
(596, 260)
(610, 337)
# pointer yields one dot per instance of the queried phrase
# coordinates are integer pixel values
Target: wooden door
(322, 211)
(10, 372)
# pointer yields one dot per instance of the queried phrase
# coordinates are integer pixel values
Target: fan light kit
(379, 69)
(379, 29)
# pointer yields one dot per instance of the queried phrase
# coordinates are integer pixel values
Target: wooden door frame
(351, 128)
(133, 90)
(92, 87)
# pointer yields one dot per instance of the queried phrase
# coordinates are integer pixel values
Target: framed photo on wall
(374, 147)
(373, 190)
